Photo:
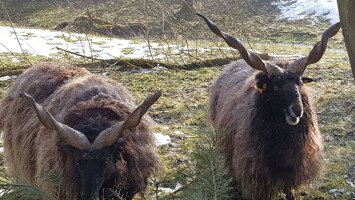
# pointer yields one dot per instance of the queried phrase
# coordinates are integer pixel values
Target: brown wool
(33, 151)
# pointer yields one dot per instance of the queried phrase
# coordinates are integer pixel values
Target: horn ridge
(147, 103)
(320, 47)
(299, 65)
(251, 58)
(68, 134)
(111, 134)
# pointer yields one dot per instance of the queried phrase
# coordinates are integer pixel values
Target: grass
(254, 21)
(184, 104)
(181, 112)
(127, 51)
(182, 108)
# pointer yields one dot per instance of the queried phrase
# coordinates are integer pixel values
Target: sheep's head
(280, 85)
(282, 92)
(94, 161)
(94, 168)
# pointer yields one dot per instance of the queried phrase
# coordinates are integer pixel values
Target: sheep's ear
(262, 81)
(135, 117)
(307, 80)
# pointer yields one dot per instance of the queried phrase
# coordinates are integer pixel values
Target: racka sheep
(62, 120)
(267, 125)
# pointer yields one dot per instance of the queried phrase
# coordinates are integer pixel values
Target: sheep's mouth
(291, 120)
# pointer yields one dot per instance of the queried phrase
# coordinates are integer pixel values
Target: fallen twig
(80, 55)
(148, 63)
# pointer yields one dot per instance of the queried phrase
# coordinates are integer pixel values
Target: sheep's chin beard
(291, 120)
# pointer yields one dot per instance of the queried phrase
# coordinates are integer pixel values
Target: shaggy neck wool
(280, 143)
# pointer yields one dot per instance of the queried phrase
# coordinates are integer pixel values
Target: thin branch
(12, 53)
(12, 26)
(80, 55)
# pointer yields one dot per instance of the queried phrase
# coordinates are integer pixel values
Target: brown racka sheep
(81, 127)
(267, 125)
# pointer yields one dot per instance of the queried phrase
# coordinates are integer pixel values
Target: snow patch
(45, 42)
(5, 78)
(179, 133)
(300, 9)
(161, 139)
(169, 190)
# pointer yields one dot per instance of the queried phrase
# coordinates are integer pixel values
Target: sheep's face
(95, 144)
(282, 92)
(91, 167)
(279, 85)
(95, 169)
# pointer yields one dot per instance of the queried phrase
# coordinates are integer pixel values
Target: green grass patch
(191, 159)
(127, 51)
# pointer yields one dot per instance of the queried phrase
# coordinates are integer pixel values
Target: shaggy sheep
(80, 127)
(267, 124)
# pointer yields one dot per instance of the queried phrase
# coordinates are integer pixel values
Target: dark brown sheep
(83, 128)
(267, 125)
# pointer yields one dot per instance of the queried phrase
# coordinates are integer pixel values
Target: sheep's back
(232, 89)
(233, 99)
(20, 127)
(32, 151)
(232, 104)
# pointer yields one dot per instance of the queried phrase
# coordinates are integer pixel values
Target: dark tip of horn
(158, 93)
(204, 18)
(208, 22)
(154, 97)
(198, 14)
(335, 27)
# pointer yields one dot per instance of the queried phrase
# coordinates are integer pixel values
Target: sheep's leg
(288, 193)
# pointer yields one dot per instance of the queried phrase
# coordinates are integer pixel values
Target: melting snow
(300, 9)
(169, 190)
(44, 43)
(161, 139)
(5, 78)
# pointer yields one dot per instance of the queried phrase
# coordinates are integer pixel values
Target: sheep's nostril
(296, 110)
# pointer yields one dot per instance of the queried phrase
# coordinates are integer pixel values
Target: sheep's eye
(276, 88)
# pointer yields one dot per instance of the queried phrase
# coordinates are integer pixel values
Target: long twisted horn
(251, 58)
(299, 65)
(110, 135)
(69, 135)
